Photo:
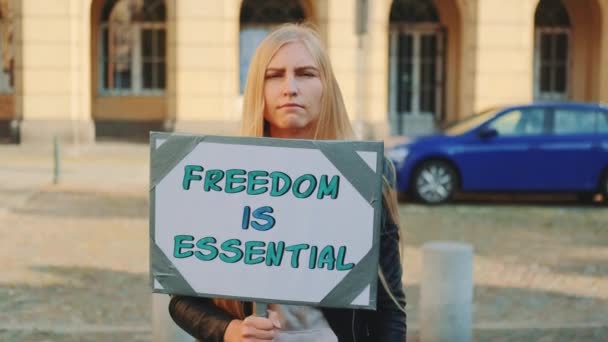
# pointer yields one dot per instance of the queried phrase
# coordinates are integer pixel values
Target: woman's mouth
(291, 105)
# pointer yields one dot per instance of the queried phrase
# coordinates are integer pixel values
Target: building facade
(86, 70)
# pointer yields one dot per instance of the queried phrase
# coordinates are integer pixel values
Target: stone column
(54, 94)
(342, 49)
(206, 96)
(378, 68)
(501, 47)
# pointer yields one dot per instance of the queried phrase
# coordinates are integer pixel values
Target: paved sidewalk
(75, 255)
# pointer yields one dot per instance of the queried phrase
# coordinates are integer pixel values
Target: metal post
(56, 160)
(446, 293)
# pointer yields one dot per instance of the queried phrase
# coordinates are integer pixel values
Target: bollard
(163, 327)
(446, 292)
(56, 160)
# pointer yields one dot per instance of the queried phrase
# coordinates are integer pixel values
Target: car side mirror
(487, 133)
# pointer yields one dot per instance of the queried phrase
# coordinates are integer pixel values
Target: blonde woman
(291, 92)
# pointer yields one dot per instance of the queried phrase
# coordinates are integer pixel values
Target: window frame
(417, 32)
(137, 63)
(538, 64)
(7, 86)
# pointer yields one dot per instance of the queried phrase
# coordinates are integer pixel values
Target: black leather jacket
(206, 322)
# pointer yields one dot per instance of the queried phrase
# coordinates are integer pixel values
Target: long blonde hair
(333, 123)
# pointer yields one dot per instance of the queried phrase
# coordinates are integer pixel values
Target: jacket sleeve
(390, 319)
(200, 318)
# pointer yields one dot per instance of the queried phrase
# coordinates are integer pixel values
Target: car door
(571, 153)
(509, 159)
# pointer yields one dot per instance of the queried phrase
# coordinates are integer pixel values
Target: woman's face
(292, 93)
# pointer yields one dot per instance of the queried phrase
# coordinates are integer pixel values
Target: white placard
(226, 218)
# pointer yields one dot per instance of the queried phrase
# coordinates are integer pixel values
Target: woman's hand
(253, 329)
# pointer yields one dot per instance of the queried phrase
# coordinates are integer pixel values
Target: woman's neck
(292, 133)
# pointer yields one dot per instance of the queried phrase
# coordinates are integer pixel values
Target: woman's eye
(272, 76)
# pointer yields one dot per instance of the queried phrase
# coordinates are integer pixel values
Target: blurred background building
(88, 70)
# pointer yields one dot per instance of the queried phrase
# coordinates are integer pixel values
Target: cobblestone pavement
(74, 256)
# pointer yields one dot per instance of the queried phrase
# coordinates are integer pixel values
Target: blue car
(540, 147)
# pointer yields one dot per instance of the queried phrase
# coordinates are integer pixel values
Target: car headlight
(398, 154)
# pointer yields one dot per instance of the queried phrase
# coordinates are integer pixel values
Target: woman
(291, 92)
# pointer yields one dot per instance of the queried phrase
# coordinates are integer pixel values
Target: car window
(602, 122)
(574, 121)
(470, 122)
(520, 122)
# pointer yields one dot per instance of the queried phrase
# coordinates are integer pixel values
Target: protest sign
(262, 219)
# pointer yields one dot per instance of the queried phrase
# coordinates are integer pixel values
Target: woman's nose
(290, 87)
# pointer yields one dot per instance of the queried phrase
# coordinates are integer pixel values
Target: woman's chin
(295, 129)
(294, 122)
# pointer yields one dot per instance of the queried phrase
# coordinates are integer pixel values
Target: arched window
(257, 18)
(551, 50)
(7, 54)
(551, 13)
(413, 11)
(132, 47)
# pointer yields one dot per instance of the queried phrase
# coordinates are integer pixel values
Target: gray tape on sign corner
(344, 157)
(167, 274)
(351, 286)
(164, 158)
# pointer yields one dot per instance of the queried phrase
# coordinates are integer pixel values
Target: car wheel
(434, 182)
